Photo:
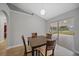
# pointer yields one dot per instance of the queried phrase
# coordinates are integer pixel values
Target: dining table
(37, 42)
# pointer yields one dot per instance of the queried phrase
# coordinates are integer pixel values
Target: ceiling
(52, 9)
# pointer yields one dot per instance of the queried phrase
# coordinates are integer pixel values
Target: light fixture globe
(42, 12)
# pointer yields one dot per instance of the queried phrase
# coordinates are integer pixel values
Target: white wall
(24, 24)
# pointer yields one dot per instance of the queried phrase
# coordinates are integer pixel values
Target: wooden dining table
(37, 42)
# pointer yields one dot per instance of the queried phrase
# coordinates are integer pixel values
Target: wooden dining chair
(48, 50)
(34, 35)
(27, 48)
(48, 36)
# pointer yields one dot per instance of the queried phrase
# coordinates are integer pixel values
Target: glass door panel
(66, 33)
(54, 29)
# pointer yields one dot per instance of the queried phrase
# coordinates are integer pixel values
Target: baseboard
(14, 46)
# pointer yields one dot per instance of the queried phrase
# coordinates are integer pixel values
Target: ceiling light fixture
(42, 12)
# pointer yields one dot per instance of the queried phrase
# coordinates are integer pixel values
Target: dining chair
(48, 49)
(49, 35)
(34, 35)
(27, 48)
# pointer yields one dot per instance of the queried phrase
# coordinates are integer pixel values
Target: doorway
(3, 25)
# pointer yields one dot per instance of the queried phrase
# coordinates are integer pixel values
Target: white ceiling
(52, 9)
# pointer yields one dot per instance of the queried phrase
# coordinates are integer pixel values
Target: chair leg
(36, 52)
(53, 52)
(46, 52)
(25, 54)
(28, 42)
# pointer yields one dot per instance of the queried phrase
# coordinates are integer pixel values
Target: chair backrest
(24, 43)
(3, 46)
(34, 35)
(48, 35)
(50, 46)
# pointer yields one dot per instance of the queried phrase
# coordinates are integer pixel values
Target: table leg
(28, 42)
(32, 51)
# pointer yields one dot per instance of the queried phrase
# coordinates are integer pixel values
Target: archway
(3, 25)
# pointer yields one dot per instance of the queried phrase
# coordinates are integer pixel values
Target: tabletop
(40, 40)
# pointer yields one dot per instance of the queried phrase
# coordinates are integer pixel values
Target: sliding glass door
(63, 32)
(66, 33)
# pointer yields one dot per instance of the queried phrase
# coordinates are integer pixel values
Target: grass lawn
(65, 32)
